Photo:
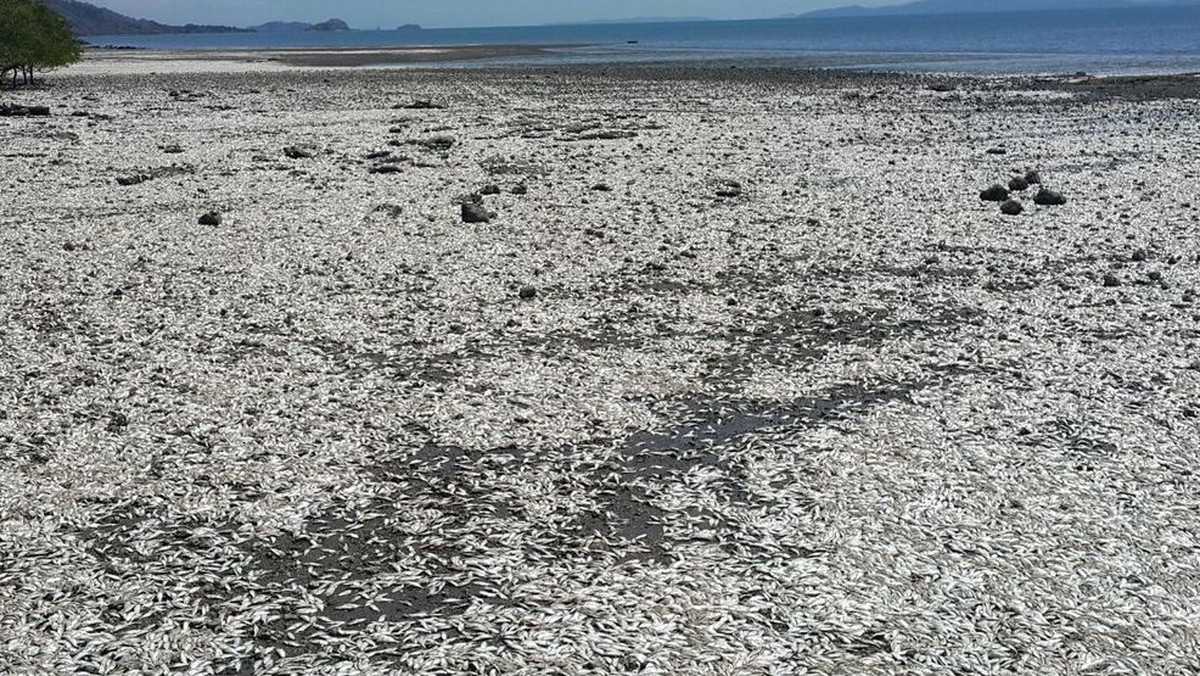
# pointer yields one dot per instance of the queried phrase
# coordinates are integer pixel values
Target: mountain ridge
(922, 7)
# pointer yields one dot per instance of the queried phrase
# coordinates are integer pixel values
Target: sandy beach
(732, 372)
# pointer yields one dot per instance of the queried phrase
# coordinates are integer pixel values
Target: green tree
(34, 37)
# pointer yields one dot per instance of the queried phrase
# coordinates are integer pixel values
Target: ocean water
(1160, 39)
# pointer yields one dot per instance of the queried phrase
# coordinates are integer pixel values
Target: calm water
(1119, 40)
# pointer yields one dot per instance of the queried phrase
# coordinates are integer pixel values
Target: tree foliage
(34, 37)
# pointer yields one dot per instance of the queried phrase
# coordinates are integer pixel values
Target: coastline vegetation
(33, 37)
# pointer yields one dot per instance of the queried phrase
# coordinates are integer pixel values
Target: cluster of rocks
(472, 207)
(1012, 207)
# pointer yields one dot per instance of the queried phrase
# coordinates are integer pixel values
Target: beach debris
(210, 218)
(729, 188)
(1047, 197)
(476, 212)
(528, 292)
(994, 193)
(1018, 183)
(297, 152)
(160, 172)
(1012, 208)
(24, 111)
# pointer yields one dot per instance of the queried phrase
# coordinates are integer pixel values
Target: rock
(1012, 208)
(172, 149)
(211, 218)
(729, 188)
(1139, 256)
(1154, 276)
(995, 193)
(520, 189)
(24, 111)
(602, 187)
(1033, 178)
(1047, 197)
(996, 151)
(132, 179)
(378, 155)
(297, 153)
(490, 189)
(474, 212)
(384, 169)
(1111, 280)
(1018, 183)
(528, 293)
(439, 143)
(422, 104)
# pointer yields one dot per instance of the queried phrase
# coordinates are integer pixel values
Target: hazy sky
(390, 13)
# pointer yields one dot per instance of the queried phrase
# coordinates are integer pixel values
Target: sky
(456, 13)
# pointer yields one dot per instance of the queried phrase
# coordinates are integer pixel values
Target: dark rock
(211, 218)
(384, 169)
(1111, 280)
(24, 111)
(422, 104)
(1012, 208)
(1033, 178)
(602, 187)
(729, 189)
(996, 151)
(1154, 276)
(439, 143)
(1139, 256)
(520, 189)
(528, 293)
(490, 189)
(172, 149)
(378, 155)
(1018, 183)
(995, 193)
(1047, 197)
(297, 153)
(474, 212)
(132, 179)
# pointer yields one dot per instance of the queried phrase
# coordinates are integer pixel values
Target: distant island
(330, 26)
(981, 7)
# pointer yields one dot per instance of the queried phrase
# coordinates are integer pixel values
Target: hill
(982, 6)
(88, 19)
(330, 25)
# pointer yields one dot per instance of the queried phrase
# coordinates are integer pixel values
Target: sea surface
(1161, 39)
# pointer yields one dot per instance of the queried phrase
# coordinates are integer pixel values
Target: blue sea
(1159, 40)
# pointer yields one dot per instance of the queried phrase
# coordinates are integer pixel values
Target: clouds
(390, 13)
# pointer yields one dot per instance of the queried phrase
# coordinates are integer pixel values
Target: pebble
(211, 218)
(1018, 183)
(385, 169)
(602, 187)
(1139, 256)
(1033, 178)
(490, 189)
(297, 153)
(528, 292)
(1111, 280)
(520, 189)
